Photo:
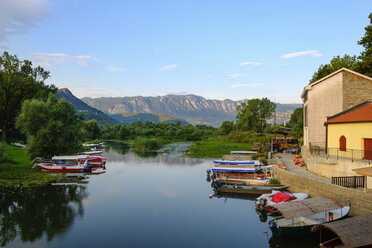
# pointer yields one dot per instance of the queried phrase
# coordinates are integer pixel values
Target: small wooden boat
(300, 216)
(246, 189)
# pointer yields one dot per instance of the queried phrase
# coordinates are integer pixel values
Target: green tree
(92, 129)
(226, 127)
(336, 63)
(295, 116)
(19, 81)
(297, 122)
(252, 114)
(124, 132)
(52, 127)
(364, 64)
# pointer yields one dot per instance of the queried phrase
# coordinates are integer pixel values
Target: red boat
(73, 164)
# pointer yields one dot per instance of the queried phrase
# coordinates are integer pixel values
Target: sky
(213, 48)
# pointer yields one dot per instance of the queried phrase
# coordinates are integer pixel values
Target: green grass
(17, 171)
(215, 149)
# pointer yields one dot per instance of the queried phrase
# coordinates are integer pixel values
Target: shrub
(146, 144)
(274, 181)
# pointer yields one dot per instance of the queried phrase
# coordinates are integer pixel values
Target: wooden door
(368, 149)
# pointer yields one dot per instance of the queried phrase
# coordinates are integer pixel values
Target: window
(305, 115)
(342, 143)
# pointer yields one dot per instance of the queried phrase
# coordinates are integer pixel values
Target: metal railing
(350, 182)
(336, 153)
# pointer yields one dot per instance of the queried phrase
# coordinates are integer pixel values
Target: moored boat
(72, 164)
(266, 201)
(90, 153)
(239, 153)
(221, 187)
(300, 216)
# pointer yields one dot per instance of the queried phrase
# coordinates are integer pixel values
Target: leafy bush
(274, 181)
(146, 144)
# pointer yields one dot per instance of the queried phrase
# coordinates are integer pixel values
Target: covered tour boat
(300, 216)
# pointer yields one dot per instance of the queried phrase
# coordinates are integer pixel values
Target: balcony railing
(350, 182)
(336, 153)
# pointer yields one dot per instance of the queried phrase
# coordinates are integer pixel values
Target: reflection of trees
(145, 154)
(32, 213)
(118, 147)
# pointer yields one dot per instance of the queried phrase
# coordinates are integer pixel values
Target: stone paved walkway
(287, 159)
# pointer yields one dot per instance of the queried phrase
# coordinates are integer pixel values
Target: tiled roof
(359, 113)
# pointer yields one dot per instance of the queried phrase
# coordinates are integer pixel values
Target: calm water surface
(143, 200)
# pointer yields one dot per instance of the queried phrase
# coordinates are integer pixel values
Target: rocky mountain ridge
(192, 108)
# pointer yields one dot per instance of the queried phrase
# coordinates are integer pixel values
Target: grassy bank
(215, 149)
(17, 172)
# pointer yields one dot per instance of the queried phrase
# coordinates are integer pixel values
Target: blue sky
(216, 49)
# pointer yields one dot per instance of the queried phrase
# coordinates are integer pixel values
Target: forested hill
(194, 109)
(88, 111)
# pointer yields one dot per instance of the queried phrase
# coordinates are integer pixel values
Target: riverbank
(215, 149)
(17, 171)
(301, 180)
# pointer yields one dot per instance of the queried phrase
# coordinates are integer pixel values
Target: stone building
(328, 96)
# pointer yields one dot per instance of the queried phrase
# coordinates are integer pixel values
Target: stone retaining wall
(361, 202)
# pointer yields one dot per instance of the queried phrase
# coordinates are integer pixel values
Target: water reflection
(40, 212)
(117, 147)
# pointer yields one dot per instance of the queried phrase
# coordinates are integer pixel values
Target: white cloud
(114, 68)
(243, 85)
(18, 16)
(313, 53)
(169, 67)
(238, 75)
(250, 63)
(51, 59)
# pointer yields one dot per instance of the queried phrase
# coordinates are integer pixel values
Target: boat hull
(249, 189)
(63, 168)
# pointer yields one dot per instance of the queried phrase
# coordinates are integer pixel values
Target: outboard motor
(263, 217)
(263, 202)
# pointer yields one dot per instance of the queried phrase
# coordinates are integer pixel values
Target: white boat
(278, 197)
(237, 162)
(91, 153)
(237, 153)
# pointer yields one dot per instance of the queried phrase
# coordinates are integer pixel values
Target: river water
(143, 200)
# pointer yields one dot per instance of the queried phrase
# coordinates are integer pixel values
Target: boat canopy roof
(306, 207)
(353, 232)
(253, 162)
(72, 157)
(234, 169)
(243, 152)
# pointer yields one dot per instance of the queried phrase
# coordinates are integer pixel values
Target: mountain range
(170, 108)
(191, 108)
